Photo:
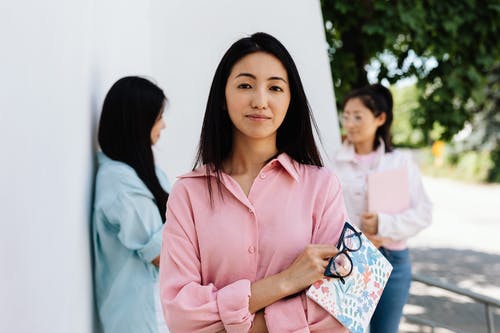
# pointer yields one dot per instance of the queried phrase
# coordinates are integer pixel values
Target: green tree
(485, 134)
(449, 46)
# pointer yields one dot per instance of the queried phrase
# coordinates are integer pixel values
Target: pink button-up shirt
(211, 255)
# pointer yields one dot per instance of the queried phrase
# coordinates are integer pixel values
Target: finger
(323, 251)
(367, 215)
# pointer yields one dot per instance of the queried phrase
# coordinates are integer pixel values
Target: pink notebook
(389, 191)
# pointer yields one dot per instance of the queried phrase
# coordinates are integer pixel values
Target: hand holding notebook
(354, 281)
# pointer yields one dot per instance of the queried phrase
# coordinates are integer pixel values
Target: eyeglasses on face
(340, 265)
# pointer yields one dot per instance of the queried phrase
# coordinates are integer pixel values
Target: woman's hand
(308, 267)
(369, 226)
(369, 223)
(156, 261)
(376, 240)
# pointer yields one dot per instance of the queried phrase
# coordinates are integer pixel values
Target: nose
(347, 122)
(162, 123)
(259, 100)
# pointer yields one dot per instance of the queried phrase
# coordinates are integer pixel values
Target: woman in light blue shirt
(129, 209)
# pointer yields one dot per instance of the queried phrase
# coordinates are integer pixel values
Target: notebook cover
(389, 191)
(354, 302)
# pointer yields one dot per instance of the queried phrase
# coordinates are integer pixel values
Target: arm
(413, 220)
(189, 305)
(306, 269)
(138, 222)
(329, 218)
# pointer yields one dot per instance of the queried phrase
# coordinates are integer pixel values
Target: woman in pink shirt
(255, 223)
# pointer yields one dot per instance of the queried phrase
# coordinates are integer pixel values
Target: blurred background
(441, 60)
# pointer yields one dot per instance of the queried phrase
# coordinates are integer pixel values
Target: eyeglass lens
(342, 265)
(352, 241)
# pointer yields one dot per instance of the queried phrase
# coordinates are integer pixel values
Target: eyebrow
(254, 77)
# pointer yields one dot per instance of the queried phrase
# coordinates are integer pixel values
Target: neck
(249, 156)
(363, 148)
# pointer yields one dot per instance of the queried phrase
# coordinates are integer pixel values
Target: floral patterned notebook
(352, 299)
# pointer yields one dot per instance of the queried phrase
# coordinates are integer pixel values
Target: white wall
(190, 41)
(46, 167)
(57, 60)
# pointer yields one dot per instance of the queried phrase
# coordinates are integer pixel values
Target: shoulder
(118, 175)
(115, 179)
(342, 156)
(317, 176)
(191, 182)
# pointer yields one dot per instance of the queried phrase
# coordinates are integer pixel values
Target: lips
(257, 117)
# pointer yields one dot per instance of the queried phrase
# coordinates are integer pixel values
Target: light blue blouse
(127, 235)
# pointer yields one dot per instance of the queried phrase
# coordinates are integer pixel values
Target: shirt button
(250, 210)
(262, 176)
(251, 249)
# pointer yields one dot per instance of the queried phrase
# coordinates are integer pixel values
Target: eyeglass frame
(328, 269)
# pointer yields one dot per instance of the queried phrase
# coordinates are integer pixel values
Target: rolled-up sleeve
(139, 224)
(188, 305)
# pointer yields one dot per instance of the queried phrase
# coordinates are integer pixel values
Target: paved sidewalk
(462, 247)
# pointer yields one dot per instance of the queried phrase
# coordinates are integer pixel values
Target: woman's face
(158, 126)
(360, 123)
(257, 96)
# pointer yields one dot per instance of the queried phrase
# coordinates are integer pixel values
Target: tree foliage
(449, 46)
(486, 124)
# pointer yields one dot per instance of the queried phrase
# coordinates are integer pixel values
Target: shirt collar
(289, 164)
(286, 162)
(347, 152)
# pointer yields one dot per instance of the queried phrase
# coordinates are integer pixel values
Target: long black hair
(378, 99)
(294, 136)
(130, 109)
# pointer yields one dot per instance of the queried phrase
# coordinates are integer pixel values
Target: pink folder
(389, 191)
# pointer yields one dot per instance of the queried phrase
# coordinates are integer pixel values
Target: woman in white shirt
(367, 117)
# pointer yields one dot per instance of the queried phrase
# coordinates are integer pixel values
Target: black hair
(378, 99)
(294, 136)
(130, 110)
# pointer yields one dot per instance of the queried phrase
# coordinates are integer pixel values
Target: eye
(358, 118)
(276, 88)
(244, 86)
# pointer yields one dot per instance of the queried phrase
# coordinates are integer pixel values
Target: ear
(381, 119)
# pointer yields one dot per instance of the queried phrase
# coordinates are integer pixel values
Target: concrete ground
(462, 247)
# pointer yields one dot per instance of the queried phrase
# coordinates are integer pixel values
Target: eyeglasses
(355, 118)
(340, 266)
